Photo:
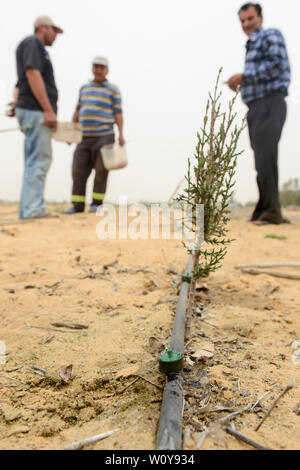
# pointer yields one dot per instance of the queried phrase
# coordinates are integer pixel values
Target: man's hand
(119, 122)
(11, 109)
(121, 140)
(50, 119)
(235, 81)
(75, 117)
(12, 106)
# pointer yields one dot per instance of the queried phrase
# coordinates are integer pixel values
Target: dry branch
(85, 442)
(52, 329)
(245, 439)
(151, 383)
(11, 378)
(72, 326)
(120, 392)
(271, 273)
(269, 265)
(236, 413)
(289, 387)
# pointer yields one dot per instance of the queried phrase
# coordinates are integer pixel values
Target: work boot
(71, 210)
(94, 208)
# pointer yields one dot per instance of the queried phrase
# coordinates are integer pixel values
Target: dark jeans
(86, 157)
(266, 118)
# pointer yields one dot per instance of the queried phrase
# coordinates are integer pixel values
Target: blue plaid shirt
(267, 66)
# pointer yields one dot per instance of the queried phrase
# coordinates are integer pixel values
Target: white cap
(46, 21)
(100, 61)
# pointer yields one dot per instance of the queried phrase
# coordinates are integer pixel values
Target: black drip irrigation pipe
(170, 426)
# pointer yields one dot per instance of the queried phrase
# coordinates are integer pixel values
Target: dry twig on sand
(72, 326)
(249, 407)
(51, 329)
(11, 378)
(245, 439)
(16, 368)
(91, 440)
(271, 273)
(269, 265)
(289, 387)
(236, 413)
(257, 269)
(151, 383)
(120, 392)
(37, 370)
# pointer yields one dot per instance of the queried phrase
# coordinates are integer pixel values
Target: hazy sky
(164, 56)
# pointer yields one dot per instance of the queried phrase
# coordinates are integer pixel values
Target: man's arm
(38, 88)
(117, 108)
(119, 122)
(75, 117)
(16, 94)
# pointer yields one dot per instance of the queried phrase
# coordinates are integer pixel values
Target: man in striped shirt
(98, 109)
(264, 86)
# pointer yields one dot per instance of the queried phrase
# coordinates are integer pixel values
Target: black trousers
(266, 118)
(87, 157)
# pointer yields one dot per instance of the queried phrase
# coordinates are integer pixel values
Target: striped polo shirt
(97, 106)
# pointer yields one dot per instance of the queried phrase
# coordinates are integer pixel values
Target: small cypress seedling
(210, 182)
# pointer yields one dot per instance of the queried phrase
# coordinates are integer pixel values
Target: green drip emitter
(170, 362)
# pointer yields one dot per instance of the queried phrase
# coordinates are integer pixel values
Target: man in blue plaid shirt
(264, 86)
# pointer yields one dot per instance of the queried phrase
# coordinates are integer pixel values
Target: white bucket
(114, 156)
(68, 132)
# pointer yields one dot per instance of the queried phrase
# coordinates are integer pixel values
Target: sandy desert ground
(244, 350)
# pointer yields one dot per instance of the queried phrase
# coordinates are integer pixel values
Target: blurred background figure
(35, 106)
(98, 108)
(264, 86)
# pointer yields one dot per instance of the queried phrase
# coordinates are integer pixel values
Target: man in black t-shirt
(35, 106)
